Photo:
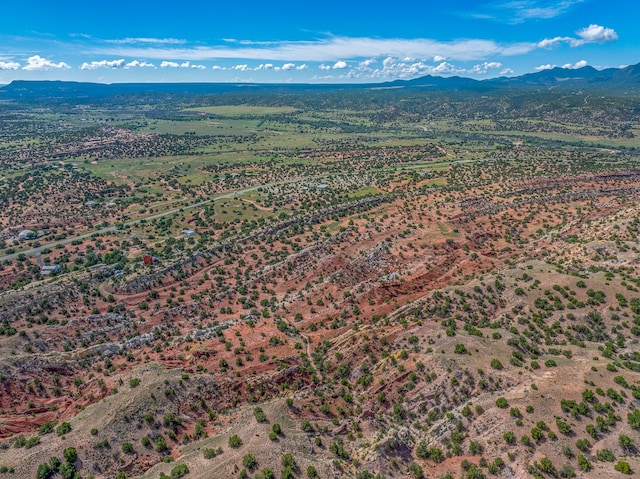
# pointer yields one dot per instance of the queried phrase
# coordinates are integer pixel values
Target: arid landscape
(334, 283)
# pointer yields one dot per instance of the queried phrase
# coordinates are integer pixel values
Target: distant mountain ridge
(584, 77)
(623, 80)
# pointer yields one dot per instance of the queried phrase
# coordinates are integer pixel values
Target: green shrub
(63, 429)
(605, 455)
(623, 467)
(70, 454)
(249, 461)
(179, 470)
(584, 463)
(259, 414)
(235, 441)
(44, 471)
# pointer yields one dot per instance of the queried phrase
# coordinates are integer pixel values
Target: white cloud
(597, 34)
(288, 66)
(393, 68)
(439, 58)
(570, 66)
(445, 67)
(552, 42)
(368, 62)
(330, 49)
(518, 11)
(304, 66)
(218, 67)
(339, 65)
(242, 68)
(187, 64)
(151, 41)
(399, 68)
(37, 63)
(103, 64)
(506, 71)
(324, 67)
(575, 66)
(9, 65)
(264, 66)
(483, 68)
(139, 64)
(591, 34)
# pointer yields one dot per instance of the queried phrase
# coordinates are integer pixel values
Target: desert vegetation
(377, 284)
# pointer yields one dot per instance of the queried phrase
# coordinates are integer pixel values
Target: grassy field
(244, 110)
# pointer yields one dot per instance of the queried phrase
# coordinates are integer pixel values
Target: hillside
(338, 284)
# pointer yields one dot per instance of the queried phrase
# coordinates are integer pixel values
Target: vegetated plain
(336, 283)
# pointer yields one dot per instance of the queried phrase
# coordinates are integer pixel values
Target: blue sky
(321, 42)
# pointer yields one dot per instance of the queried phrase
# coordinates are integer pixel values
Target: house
(322, 186)
(148, 259)
(48, 269)
(188, 232)
(25, 235)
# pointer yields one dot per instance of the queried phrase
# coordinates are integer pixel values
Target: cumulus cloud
(597, 34)
(591, 34)
(288, 66)
(506, 71)
(9, 65)
(304, 66)
(103, 64)
(264, 66)
(405, 68)
(168, 64)
(483, 68)
(576, 65)
(339, 65)
(570, 66)
(393, 67)
(324, 67)
(439, 58)
(242, 68)
(37, 63)
(139, 64)
(186, 64)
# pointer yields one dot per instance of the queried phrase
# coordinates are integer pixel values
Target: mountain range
(612, 80)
